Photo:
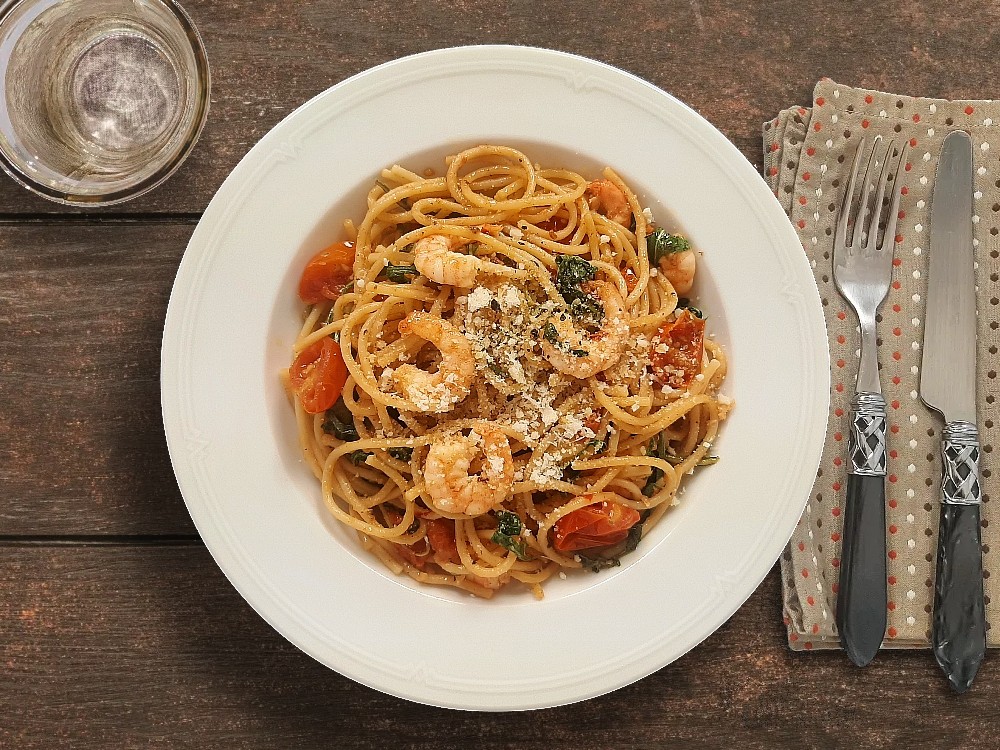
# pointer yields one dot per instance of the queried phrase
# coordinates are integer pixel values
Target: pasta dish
(500, 375)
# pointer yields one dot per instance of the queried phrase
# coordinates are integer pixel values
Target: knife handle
(959, 634)
(861, 603)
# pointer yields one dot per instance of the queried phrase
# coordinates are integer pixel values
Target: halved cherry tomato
(326, 273)
(631, 280)
(682, 341)
(441, 535)
(318, 375)
(598, 525)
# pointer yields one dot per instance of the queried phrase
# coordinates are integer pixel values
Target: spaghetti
(498, 377)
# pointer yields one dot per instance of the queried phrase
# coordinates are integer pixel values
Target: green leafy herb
(404, 202)
(401, 454)
(401, 274)
(597, 564)
(662, 243)
(657, 447)
(571, 273)
(339, 422)
(612, 558)
(550, 333)
(358, 457)
(509, 528)
(685, 304)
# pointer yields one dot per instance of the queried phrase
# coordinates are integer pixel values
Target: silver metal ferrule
(867, 441)
(960, 464)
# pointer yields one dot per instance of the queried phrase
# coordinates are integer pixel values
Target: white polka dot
(918, 227)
(814, 240)
(921, 203)
(816, 214)
(913, 419)
(913, 395)
(985, 146)
(910, 493)
(916, 274)
(911, 569)
(911, 468)
(911, 620)
(981, 171)
(977, 195)
(913, 443)
(930, 131)
(810, 534)
(915, 297)
(857, 352)
(917, 251)
(824, 613)
(814, 559)
(836, 93)
(819, 194)
(915, 345)
(909, 518)
(834, 119)
(933, 108)
(829, 143)
(988, 121)
(883, 113)
(911, 543)
(911, 595)
(975, 219)
(922, 180)
(914, 369)
(915, 321)
(927, 156)
(819, 586)
(822, 168)
(975, 242)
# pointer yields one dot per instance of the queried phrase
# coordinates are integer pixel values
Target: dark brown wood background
(116, 628)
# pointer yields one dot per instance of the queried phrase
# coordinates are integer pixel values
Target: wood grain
(736, 63)
(82, 449)
(151, 648)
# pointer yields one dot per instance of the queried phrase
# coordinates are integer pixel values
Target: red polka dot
(969, 110)
(835, 587)
(816, 628)
(893, 529)
(892, 580)
(913, 143)
(901, 215)
(898, 238)
(896, 308)
(895, 404)
(836, 512)
(841, 339)
(838, 412)
(865, 123)
(842, 315)
(802, 547)
(891, 606)
(805, 573)
(811, 151)
(897, 356)
(897, 331)
(893, 453)
(908, 167)
(904, 190)
(891, 632)
(793, 637)
(802, 111)
(836, 486)
(807, 646)
(892, 503)
(838, 437)
(835, 562)
(817, 127)
(897, 262)
(802, 200)
(786, 619)
(839, 387)
(894, 429)
(820, 101)
(810, 601)
(837, 460)
(772, 171)
(841, 363)
(893, 478)
(806, 176)
(835, 537)
(896, 285)
(868, 99)
(895, 379)
(892, 554)
(802, 224)
(916, 118)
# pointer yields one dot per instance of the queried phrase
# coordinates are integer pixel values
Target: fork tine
(860, 237)
(871, 231)
(845, 210)
(890, 224)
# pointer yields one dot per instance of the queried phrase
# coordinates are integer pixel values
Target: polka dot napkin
(808, 154)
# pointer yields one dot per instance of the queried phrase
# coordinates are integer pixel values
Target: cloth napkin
(807, 160)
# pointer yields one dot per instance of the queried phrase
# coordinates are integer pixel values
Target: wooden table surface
(116, 628)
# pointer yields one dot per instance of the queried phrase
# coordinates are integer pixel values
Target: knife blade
(948, 385)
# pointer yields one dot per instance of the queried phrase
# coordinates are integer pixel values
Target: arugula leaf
(401, 274)
(597, 564)
(572, 272)
(600, 562)
(662, 243)
(685, 304)
(509, 527)
(550, 333)
(401, 454)
(358, 457)
(339, 422)
(657, 447)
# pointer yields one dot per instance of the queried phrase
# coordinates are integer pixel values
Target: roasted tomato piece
(326, 273)
(318, 375)
(677, 350)
(600, 525)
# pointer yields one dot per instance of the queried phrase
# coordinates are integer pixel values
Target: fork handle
(861, 603)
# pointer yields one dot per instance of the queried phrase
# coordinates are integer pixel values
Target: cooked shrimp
(607, 198)
(446, 471)
(582, 354)
(438, 391)
(435, 257)
(679, 268)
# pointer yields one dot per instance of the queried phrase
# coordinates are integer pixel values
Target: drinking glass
(100, 100)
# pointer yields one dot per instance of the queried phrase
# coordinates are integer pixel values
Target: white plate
(233, 315)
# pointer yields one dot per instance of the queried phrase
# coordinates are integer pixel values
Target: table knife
(948, 385)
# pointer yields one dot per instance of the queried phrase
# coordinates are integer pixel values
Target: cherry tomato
(631, 280)
(441, 536)
(684, 342)
(326, 273)
(600, 525)
(318, 375)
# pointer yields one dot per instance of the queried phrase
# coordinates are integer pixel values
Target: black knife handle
(959, 637)
(861, 603)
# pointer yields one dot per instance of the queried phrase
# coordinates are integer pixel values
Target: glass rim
(203, 85)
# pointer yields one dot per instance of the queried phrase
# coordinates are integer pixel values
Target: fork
(862, 269)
